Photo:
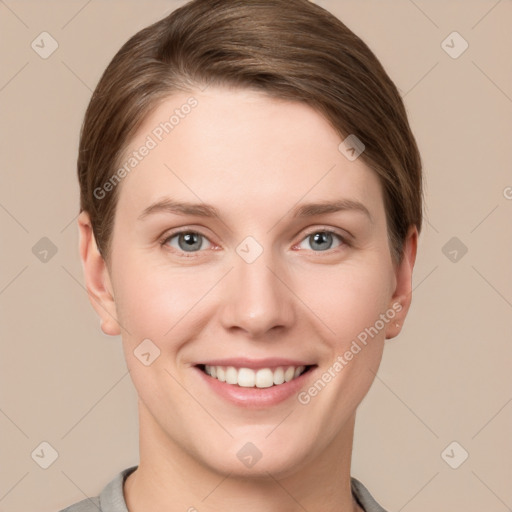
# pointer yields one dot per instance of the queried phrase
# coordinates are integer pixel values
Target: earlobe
(97, 279)
(402, 295)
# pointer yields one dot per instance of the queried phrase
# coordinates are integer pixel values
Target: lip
(256, 364)
(255, 398)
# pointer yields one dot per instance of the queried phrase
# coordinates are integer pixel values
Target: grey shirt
(111, 498)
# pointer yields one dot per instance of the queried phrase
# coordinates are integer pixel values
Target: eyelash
(168, 236)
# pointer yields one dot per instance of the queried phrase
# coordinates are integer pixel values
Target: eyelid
(172, 233)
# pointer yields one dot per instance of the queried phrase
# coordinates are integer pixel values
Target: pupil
(321, 237)
(191, 241)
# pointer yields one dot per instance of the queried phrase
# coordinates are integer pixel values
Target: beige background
(446, 378)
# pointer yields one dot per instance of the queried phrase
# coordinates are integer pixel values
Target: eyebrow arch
(168, 205)
(311, 209)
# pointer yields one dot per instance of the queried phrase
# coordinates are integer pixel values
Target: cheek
(168, 306)
(151, 300)
(347, 298)
(156, 304)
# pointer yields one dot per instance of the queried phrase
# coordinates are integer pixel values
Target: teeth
(289, 374)
(246, 378)
(249, 378)
(231, 375)
(278, 376)
(264, 378)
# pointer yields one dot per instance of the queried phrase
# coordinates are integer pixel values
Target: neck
(170, 478)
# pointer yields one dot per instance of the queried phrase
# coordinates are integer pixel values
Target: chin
(244, 458)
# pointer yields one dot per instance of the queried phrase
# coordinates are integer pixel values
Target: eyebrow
(168, 205)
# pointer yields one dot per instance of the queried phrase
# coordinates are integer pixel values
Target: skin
(254, 158)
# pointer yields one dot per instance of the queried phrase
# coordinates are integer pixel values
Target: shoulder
(111, 498)
(86, 505)
(363, 496)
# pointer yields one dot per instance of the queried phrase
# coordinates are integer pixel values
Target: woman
(222, 148)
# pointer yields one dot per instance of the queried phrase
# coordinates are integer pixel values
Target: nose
(258, 298)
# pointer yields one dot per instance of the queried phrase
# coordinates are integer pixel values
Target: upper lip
(243, 362)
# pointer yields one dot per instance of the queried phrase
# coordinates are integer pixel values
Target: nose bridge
(257, 300)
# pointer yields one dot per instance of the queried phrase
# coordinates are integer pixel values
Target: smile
(254, 378)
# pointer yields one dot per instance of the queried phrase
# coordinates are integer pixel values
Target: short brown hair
(290, 49)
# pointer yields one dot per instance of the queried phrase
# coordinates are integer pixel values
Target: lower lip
(255, 397)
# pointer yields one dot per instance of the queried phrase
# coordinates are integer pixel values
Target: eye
(322, 240)
(186, 241)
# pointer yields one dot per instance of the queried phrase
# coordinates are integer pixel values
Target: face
(245, 243)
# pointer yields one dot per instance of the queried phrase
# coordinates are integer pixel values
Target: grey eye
(321, 240)
(188, 241)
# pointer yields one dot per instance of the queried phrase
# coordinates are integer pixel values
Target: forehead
(242, 148)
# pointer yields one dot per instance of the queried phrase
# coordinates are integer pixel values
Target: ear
(402, 295)
(97, 279)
